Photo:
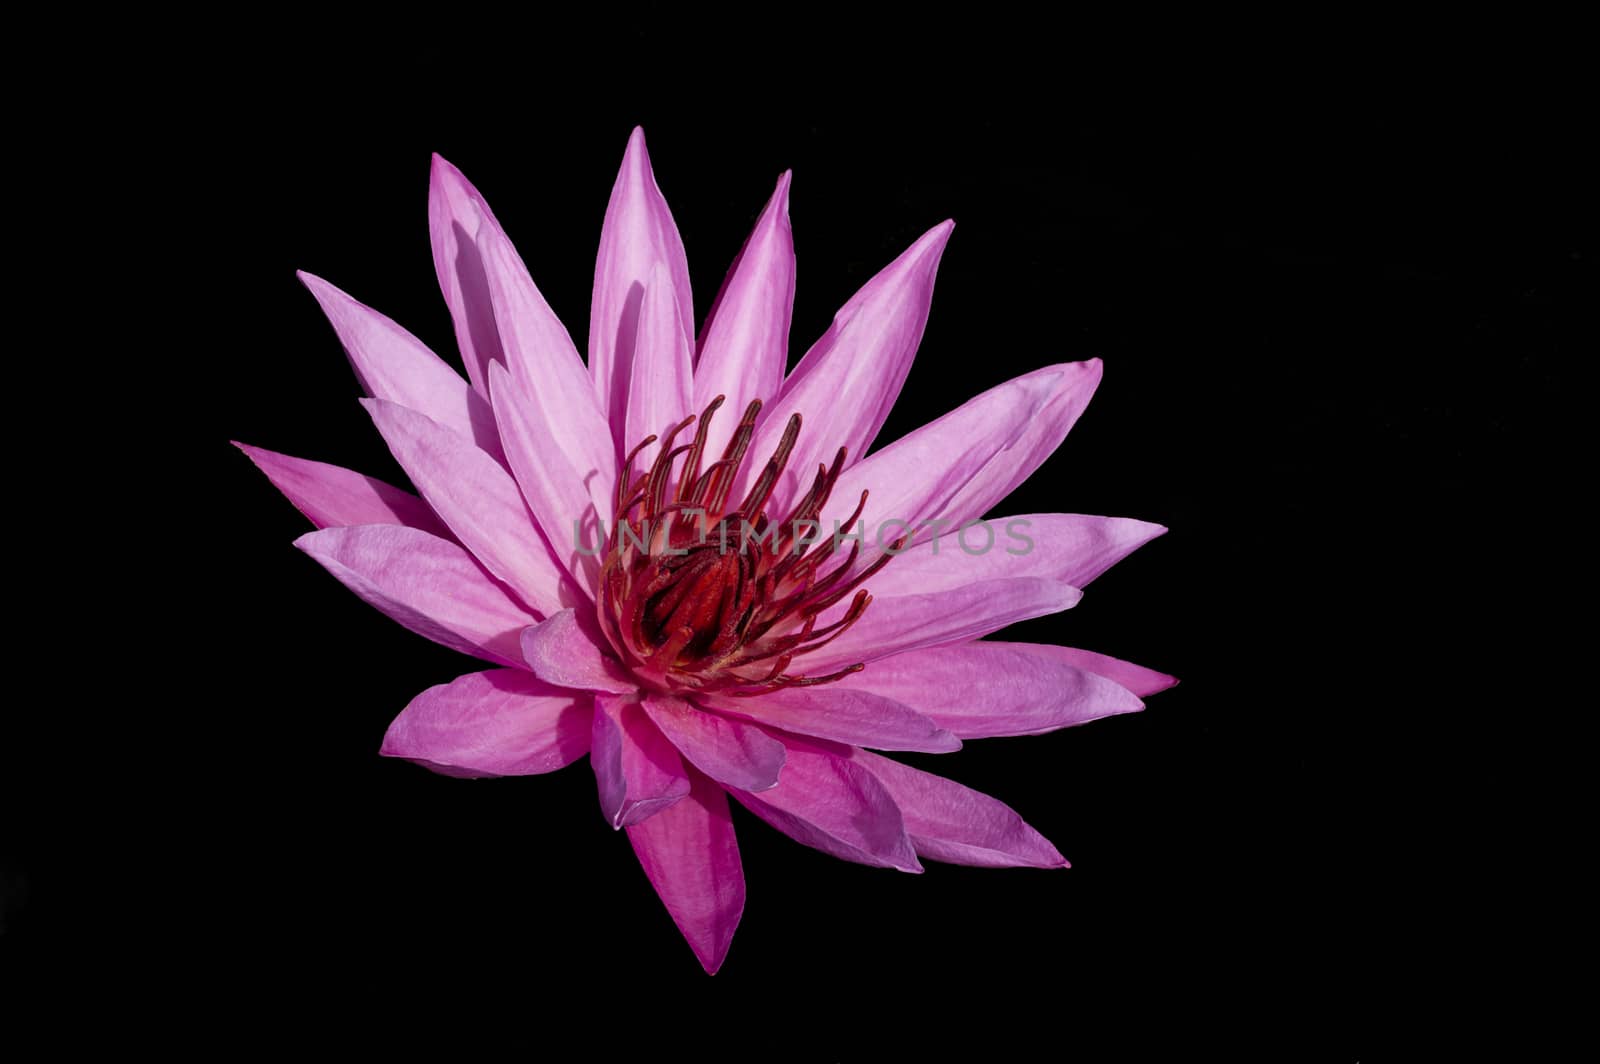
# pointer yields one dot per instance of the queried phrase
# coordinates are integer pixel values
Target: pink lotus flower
(655, 597)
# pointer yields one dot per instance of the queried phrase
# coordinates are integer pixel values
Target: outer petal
(1136, 678)
(828, 802)
(959, 466)
(860, 718)
(480, 502)
(637, 771)
(847, 382)
(659, 391)
(332, 496)
(430, 585)
(456, 214)
(572, 518)
(897, 623)
(560, 652)
(745, 344)
(497, 723)
(1070, 548)
(554, 388)
(729, 751)
(690, 854)
(949, 822)
(985, 689)
(639, 234)
(394, 365)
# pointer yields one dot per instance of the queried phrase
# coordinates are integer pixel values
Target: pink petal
(826, 801)
(895, 624)
(394, 365)
(847, 382)
(559, 651)
(659, 391)
(430, 585)
(572, 519)
(637, 771)
(638, 235)
(745, 344)
(554, 388)
(959, 466)
(949, 822)
(497, 723)
(480, 502)
(332, 496)
(985, 689)
(857, 717)
(1070, 548)
(728, 751)
(456, 214)
(1136, 678)
(690, 854)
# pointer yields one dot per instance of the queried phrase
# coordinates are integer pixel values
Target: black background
(1338, 323)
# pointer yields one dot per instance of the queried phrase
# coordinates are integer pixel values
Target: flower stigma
(697, 595)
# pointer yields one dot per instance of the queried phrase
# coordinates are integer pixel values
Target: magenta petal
(333, 497)
(638, 235)
(554, 389)
(745, 344)
(659, 390)
(497, 723)
(394, 365)
(572, 518)
(1070, 548)
(430, 585)
(1136, 678)
(846, 384)
(479, 500)
(826, 801)
(689, 852)
(637, 771)
(857, 717)
(456, 213)
(729, 751)
(959, 466)
(985, 689)
(949, 822)
(559, 651)
(897, 623)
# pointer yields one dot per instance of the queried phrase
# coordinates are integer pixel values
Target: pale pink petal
(638, 235)
(957, 467)
(730, 752)
(456, 214)
(826, 801)
(559, 651)
(744, 346)
(572, 519)
(689, 852)
(1070, 548)
(984, 689)
(949, 822)
(392, 364)
(848, 381)
(637, 771)
(480, 502)
(1136, 678)
(857, 717)
(497, 723)
(898, 623)
(660, 389)
(430, 585)
(332, 496)
(554, 388)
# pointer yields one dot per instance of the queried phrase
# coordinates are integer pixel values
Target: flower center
(697, 595)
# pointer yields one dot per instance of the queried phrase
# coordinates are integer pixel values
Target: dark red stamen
(696, 596)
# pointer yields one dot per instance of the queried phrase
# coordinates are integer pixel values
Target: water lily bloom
(683, 563)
